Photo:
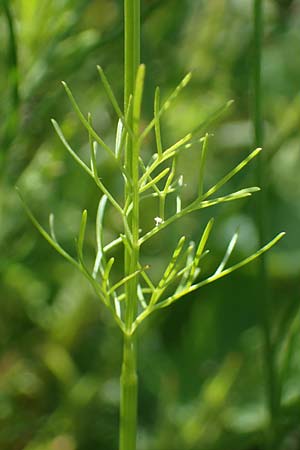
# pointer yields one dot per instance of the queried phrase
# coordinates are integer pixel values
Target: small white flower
(158, 221)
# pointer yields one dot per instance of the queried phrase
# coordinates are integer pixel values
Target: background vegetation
(201, 363)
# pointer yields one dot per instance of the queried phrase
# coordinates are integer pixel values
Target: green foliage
(183, 269)
(59, 353)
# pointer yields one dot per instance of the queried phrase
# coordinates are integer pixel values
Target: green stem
(129, 382)
(265, 304)
(128, 409)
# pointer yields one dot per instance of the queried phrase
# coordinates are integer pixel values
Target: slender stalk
(129, 380)
(265, 304)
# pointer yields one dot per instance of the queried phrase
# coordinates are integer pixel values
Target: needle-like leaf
(85, 122)
(81, 234)
(154, 180)
(112, 98)
(166, 105)
(69, 148)
(231, 174)
(228, 253)
(199, 251)
(46, 235)
(157, 122)
(137, 98)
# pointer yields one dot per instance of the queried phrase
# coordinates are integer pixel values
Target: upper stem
(128, 406)
(261, 218)
(132, 61)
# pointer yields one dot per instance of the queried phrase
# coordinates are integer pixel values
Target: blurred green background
(200, 362)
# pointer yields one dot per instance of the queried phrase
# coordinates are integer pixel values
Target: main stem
(263, 284)
(129, 379)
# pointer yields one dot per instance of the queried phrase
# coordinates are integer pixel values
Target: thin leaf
(149, 177)
(154, 180)
(189, 262)
(167, 154)
(126, 279)
(170, 178)
(228, 253)
(178, 198)
(82, 234)
(196, 205)
(86, 168)
(117, 307)
(92, 151)
(85, 122)
(170, 151)
(141, 298)
(202, 165)
(99, 234)
(137, 98)
(112, 244)
(119, 135)
(199, 251)
(215, 115)
(112, 98)
(69, 148)
(105, 277)
(45, 235)
(168, 273)
(222, 274)
(173, 261)
(166, 105)
(51, 226)
(157, 122)
(232, 173)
